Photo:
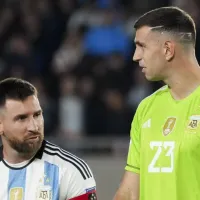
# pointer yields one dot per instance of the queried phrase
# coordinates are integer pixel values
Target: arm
(76, 187)
(129, 187)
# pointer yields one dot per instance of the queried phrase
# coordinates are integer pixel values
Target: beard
(25, 147)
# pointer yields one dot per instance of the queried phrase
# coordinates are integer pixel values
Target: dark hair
(16, 89)
(170, 19)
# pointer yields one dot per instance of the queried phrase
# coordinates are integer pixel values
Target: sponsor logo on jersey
(16, 193)
(147, 124)
(169, 125)
(44, 192)
(90, 189)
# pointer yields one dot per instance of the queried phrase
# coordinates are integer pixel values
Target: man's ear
(1, 128)
(1, 122)
(169, 50)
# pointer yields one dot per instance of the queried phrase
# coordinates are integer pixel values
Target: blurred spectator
(117, 113)
(52, 29)
(78, 54)
(87, 91)
(32, 27)
(108, 37)
(116, 76)
(18, 53)
(105, 3)
(192, 7)
(48, 105)
(71, 108)
(17, 71)
(69, 54)
(85, 17)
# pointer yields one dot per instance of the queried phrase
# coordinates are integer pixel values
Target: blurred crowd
(78, 53)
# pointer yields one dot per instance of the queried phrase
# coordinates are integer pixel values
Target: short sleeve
(73, 184)
(133, 160)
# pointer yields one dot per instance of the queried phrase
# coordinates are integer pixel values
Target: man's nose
(32, 125)
(137, 56)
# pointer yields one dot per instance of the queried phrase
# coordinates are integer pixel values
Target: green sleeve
(133, 160)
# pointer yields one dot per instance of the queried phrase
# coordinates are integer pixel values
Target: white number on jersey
(168, 145)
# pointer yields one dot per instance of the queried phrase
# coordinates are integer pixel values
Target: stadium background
(78, 53)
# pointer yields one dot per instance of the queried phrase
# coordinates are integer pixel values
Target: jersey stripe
(66, 159)
(51, 172)
(34, 179)
(78, 161)
(69, 155)
(16, 184)
(72, 158)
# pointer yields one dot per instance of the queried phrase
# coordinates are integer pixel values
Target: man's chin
(32, 146)
(152, 78)
(28, 147)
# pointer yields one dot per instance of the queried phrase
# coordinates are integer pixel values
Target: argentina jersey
(53, 174)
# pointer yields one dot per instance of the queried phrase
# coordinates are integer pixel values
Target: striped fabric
(53, 174)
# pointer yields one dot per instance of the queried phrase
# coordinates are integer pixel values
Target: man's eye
(37, 114)
(21, 118)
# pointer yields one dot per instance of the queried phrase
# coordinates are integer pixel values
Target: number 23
(170, 153)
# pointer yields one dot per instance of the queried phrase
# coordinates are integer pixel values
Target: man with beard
(31, 167)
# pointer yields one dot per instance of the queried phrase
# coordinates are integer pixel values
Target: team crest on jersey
(16, 193)
(44, 192)
(169, 126)
(194, 123)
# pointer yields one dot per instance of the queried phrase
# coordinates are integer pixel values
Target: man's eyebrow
(139, 43)
(26, 114)
(38, 111)
(20, 116)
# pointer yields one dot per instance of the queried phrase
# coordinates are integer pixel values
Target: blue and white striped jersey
(53, 174)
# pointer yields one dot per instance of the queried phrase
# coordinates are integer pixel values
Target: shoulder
(158, 93)
(65, 160)
(146, 103)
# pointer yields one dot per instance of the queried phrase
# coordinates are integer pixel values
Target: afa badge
(194, 123)
(44, 192)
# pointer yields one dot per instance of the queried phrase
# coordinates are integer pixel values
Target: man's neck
(13, 157)
(183, 80)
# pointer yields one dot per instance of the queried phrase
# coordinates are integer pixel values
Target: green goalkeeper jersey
(165, 146)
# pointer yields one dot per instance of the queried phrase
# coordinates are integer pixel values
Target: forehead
(145, 34)
(28, 106)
